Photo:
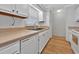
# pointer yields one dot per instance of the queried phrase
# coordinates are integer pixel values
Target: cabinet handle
(13, 10)
(14, 52)
(16, 11)
(9, 45)
(25, 40)
(17, 53)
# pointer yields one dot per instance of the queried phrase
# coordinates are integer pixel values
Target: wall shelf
(2, 12)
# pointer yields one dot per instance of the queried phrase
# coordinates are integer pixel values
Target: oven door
(75, 39)
(75, 42)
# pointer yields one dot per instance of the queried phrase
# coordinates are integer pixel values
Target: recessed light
(59, 10)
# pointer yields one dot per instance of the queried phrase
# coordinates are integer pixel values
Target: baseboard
(59, 36)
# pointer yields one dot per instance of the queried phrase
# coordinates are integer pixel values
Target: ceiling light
(59, 10)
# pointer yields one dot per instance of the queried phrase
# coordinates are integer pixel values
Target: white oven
(75, 41)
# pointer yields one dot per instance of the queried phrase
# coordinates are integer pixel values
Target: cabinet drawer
(27, 49)
(11, 48)
(27, 40)
(29, 45)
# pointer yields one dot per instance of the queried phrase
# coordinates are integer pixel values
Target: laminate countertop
(10, 35)
(74, 29)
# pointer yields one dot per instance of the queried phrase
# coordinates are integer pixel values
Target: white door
(59, 23)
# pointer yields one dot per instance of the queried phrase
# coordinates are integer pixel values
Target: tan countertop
(74, 29)
(12, 35)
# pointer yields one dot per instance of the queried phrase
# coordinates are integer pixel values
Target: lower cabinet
(29, 45)
(43, 39)
(34, 44)
(13, 48)
(46, 36)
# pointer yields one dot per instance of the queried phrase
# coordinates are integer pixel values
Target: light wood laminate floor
(57, 45)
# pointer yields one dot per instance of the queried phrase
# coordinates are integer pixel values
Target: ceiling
(50, 6)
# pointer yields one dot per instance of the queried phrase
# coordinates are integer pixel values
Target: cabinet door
(13, 48)
(36, 44)
(7, 7)
(22, 9)
(46, 36)
(33, 13)
(29, 45)
(41, 41)
(49, 34)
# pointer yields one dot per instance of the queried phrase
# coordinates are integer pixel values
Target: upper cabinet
(22, 9)
(33, 13)
(13, 10)
(7, 7)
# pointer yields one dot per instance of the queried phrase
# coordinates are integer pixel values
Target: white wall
(8, 21)
(56, 22)
(59, 23)
(63, 19)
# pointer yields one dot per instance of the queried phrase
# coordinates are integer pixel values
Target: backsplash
(8, 21)
(32, 21)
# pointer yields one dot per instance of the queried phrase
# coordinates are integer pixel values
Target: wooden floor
(57, 45)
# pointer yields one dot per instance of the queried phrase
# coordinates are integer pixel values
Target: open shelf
(2, 12)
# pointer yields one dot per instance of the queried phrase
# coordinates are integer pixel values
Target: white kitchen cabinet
(22, 9)
(7, 7)
(33, 13)
(13, 48)
(29, 45)
(47, 36)
(50, 32)
(43, 39)
(41, 42)
(36, 44)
